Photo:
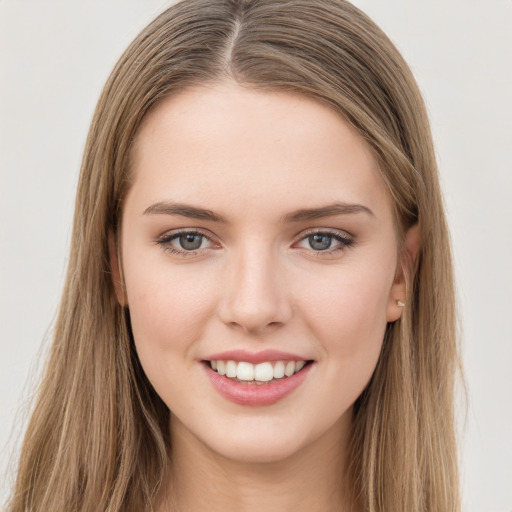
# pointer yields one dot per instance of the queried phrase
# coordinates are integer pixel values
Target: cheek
(350, 324)
(169, 313)
(169, 309)
(349, 319)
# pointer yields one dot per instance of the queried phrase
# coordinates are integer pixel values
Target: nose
(254, 299)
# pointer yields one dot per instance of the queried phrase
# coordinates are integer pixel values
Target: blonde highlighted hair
(98, 438)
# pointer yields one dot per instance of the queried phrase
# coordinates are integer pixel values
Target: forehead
(232, 147)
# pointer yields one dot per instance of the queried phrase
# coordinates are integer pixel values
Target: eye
(320, 241)
(325, 241)
(190, 241)
(185, 242)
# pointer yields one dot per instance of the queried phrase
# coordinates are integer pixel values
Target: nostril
(254, 326)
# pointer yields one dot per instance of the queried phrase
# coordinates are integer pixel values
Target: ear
(117, 276)
(404, 273)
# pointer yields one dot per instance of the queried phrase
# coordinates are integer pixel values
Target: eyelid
(327, 231)
(337, 233)
(344, 238)
(166, 238)
(184, 231)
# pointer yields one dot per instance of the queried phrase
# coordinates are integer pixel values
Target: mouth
(263, 373)
(260, 384)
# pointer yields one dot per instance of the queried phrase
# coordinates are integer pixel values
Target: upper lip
(254, 357)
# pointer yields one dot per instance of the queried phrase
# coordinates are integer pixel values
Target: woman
(259, 303)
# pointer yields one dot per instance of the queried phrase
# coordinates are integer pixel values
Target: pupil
(190, 241)
(320, 242)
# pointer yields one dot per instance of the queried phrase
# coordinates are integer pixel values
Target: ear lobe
(117, 279)
(404, 274)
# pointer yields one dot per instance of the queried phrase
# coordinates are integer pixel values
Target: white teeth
(289, 369)
(262, 372)
(245, 371)
(279, 370)
(221, 367)
(231, 369)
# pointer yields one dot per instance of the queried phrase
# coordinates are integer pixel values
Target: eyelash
(165, 240)
(345, 241)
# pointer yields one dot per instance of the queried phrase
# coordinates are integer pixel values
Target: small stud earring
(400, 303)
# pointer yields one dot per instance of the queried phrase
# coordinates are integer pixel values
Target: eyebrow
(184, 210)
(327, 211)
(194, 212)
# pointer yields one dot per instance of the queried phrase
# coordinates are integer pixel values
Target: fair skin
(254, 277)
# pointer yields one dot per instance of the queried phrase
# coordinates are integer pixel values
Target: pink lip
(254, 394)
(254, 357)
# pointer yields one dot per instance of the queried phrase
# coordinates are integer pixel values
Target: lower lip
(256, 394)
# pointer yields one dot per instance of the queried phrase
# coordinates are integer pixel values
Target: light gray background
(54, 59)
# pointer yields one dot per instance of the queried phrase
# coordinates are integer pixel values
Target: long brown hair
(98, 438)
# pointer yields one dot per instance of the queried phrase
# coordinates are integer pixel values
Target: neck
(312, 479)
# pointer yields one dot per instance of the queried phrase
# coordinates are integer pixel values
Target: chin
(258, 451)
(263, 441)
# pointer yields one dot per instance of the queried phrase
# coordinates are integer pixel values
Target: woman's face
(257, 231)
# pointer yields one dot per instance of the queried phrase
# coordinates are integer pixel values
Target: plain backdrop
(54, 59)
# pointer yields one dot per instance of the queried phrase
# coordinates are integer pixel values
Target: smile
(261, 373)
(258, 383)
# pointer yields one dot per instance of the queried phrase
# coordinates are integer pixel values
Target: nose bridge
(255, 295)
